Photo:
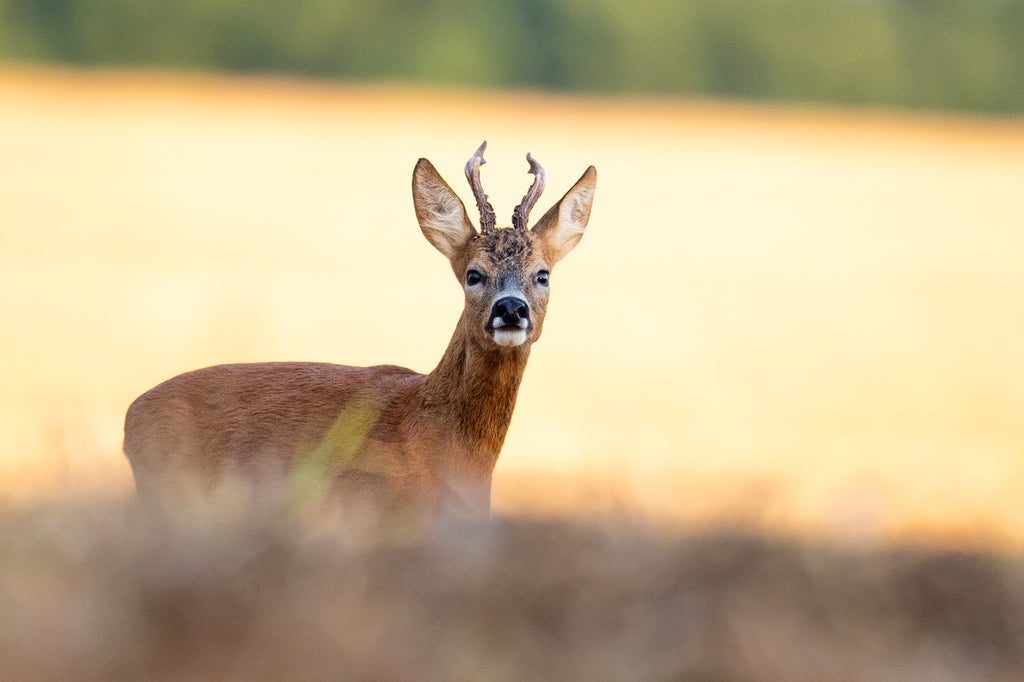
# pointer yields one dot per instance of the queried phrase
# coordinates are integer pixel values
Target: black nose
(510, 310)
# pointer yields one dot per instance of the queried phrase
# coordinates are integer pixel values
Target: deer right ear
(563, 225)
(440, 212)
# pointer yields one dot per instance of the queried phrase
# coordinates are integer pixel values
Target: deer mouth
(510, 335)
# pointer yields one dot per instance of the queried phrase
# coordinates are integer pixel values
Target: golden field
(807, 320)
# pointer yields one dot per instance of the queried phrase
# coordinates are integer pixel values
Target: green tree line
(964, 55)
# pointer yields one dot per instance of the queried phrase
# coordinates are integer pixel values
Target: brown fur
(384, 435)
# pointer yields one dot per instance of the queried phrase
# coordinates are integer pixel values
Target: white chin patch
(510, 337)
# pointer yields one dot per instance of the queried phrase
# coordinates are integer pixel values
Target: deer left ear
(562, 226)
(440, 212)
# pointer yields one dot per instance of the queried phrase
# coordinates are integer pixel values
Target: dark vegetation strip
(963, 55)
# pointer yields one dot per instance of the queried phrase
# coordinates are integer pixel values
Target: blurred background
(936, 54)
(799, 303)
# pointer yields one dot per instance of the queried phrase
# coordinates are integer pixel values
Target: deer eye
(542, 278)
(474, 277)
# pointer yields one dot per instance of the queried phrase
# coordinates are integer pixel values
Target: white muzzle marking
(509, 336)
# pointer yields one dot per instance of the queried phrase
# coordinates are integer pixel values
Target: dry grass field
(95, 595)
(809, 321)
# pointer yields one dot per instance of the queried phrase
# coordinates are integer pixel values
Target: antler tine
(473, 176)
(521, 214)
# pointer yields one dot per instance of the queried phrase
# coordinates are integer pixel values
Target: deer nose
(510, 311)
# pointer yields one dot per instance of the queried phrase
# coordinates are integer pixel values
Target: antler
(473, 176)
(521, 214)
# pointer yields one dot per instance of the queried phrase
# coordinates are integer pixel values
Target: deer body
(384, 435)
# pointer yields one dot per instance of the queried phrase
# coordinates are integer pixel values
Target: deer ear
(563, 225)
(440, 212)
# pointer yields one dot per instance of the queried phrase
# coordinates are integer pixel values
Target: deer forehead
(506, 249)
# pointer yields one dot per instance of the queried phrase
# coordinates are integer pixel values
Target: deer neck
(474, 388)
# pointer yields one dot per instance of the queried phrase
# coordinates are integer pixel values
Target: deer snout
(510, 311)
(510, 321)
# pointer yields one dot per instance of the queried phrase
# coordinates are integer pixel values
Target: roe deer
(382, 435)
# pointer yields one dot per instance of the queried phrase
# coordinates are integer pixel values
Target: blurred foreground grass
(805, 320)
(95, 592)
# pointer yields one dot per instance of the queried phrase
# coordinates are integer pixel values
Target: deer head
(505, 272)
